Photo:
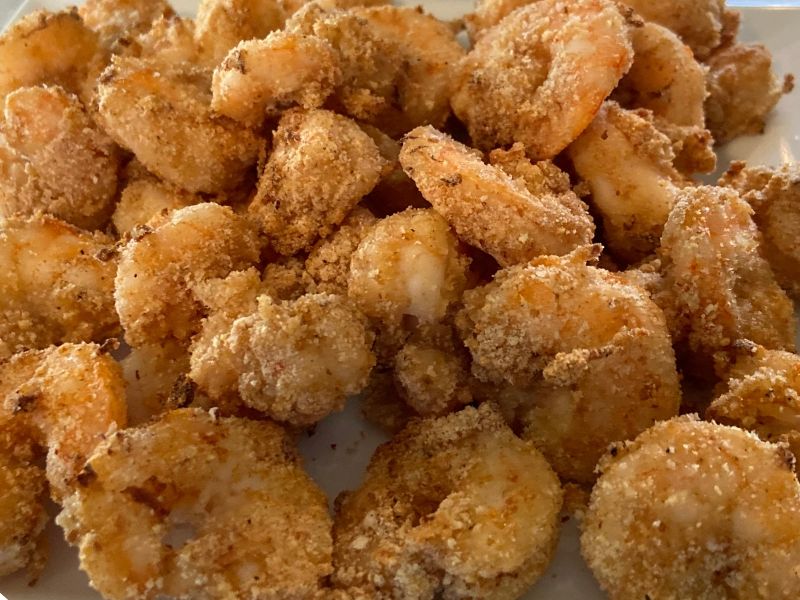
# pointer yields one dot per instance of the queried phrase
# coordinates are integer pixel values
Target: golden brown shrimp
(774, 195)
(762, 394)
(695, 510)
(487, 207)
(259, 525)
(589, 355)
(54, 159)
(259, 78)
(628, 166)
(723, 288)
(456, 506)
(158, 268)
(52, 48)
(148, 201)
(743, 90)
(292, 6)
(489, 13)
(56, 285)
(222, 24)
(321, 165)
(169, 42)
(162, 116)
(540, 77)
(116, 22)
(151, 373)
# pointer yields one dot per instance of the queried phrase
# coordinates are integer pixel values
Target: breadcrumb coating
(116, 22)
(148, 202)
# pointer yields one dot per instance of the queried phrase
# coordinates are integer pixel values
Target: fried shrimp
(151, 373)
(148, 202)
(259, 525)
(292, 6)
(169, 42)
(295, 361)
(162, 116)
(261, 77)
(540, 77)
(56, 285)
(489, 13)
(116, 22)
(157, 269)
(695, 510)
(628, 166)
(724, 290)
(743, 90)
(456, 506)
(762, 394)
(52, 48)
(222, 24)
(54, 159)
(774, 195)
(589, 354)
(321, 165)
(407, 264)
(487, 207)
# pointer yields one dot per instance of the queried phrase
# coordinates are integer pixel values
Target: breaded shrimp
(259, 78)
(51, 48)
(456, 506)
(589, 355)
(56, 285)
(259, 525)
(743, 90)
(162, 116)
(489, 208)
(762, 393)
(628, 166)
(116, 22)
(489, 13)
(159, 267)
(695, 510)
(292, 6)
(408, 264)
(724, 289)
(222, 24)
(169, 42)
(321, 165)
(774, 195)
(540, 76)
(294, 361)
(151, 373)
(54, 159)
(148, 201)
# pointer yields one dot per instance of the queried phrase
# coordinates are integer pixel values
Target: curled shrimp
(774, 195)
(457, 506)
(628, 165)
(695, 510)
(540, 77)
(723, 289)
(259, 526)
(159, 267)
(162, 116)
(588, 356)
(117, 21)
(56, 285)
(54, 159)
(487, 207)
(321, 165)
(61, 401)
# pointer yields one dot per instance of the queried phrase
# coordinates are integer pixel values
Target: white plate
(338, 452)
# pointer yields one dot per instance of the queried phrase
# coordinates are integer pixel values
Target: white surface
(339, 450)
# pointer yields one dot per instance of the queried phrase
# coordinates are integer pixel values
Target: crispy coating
(258, 526)
(456, 506)
(762, 394)
(540, 76)
(628, 166)
(222, 24)
(295, 361)
(407, 264)
(151, 373)
(170, 41)
(161, 114)
(292, 6)
(489, 208)
(116, 22)
(148, 202)
(288, 279)
(54, 159)
(52, 48)
(489, 13)
(774, 195)
(695, 510)
(589, 355)
(743, 89)
(158, 269)
(262, 77)
(724, 289)
(56, 285)
(321, 165)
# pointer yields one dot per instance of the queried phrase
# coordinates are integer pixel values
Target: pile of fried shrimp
(490, 233)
